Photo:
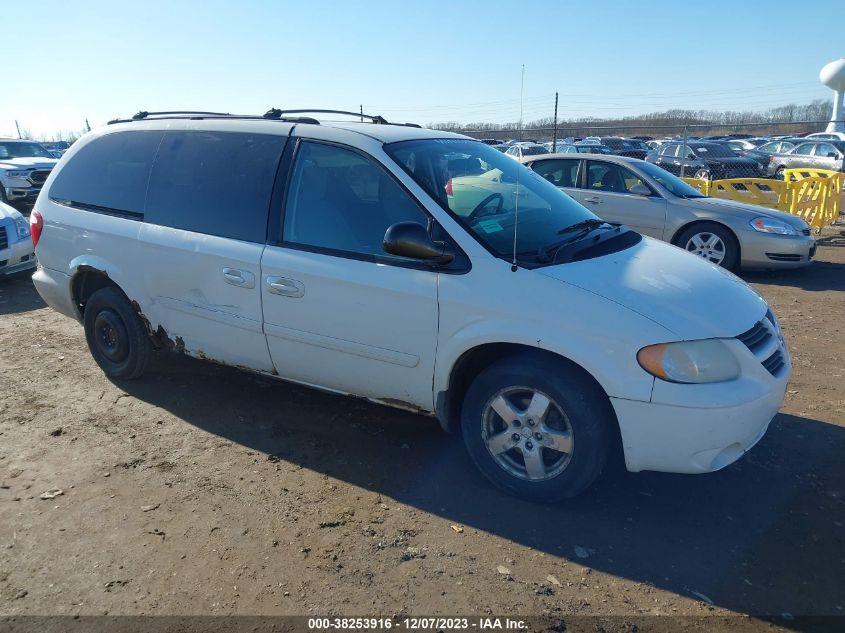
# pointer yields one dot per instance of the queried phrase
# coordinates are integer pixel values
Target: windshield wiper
(549, 253)
(584, 224)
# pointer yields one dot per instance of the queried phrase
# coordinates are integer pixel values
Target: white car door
(339, 312)
(200, 246)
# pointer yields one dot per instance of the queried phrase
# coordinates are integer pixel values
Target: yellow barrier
(702, 185)
(815, 195)
(836, 185)
(808, 200)
(760, 191)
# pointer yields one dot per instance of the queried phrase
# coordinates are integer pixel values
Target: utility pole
(685, 150)
(554, 138)
(87, 125)
(521, 92)
(361, 110)
(19, 128)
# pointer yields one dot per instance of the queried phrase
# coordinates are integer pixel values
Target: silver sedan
(653, 202)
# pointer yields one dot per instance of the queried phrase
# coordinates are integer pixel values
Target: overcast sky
(429, 61)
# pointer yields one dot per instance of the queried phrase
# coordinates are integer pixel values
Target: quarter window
(341, 201)
(110, 172)
(561, 173)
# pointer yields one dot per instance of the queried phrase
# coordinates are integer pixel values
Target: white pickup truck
(24, 166)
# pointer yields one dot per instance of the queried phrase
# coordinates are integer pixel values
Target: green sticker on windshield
(490, 226)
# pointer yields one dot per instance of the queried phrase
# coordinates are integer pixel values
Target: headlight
(17, 174)
(709, 360)
(23, 228)
(770, 225)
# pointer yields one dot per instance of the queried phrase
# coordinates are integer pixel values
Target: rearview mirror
(640, 190)
(411, 239)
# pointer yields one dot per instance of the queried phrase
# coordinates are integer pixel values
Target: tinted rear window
(217, 183)
(214, 182)
(110, 172)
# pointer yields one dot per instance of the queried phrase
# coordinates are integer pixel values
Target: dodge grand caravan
(336, 255)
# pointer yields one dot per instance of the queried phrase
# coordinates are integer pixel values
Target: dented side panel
(190, 303)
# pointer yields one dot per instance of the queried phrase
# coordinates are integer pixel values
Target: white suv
(24, 166)
(415, 268)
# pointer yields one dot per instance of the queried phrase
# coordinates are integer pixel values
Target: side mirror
(640, 190)
(411, 239)
(831, 154)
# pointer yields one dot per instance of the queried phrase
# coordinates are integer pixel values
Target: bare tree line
(788, 119)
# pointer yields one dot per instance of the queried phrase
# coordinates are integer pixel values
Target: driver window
(342, 201)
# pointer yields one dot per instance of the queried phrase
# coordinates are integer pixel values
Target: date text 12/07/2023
(416, 624)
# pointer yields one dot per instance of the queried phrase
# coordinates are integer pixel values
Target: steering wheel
(477, 211)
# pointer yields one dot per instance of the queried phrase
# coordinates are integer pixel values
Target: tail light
(449, 187)
(36, 225)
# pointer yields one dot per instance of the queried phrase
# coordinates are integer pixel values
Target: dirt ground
(200, 489)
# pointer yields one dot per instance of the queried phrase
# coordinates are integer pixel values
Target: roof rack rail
(273, 114)
(143, 114)
(375, 118)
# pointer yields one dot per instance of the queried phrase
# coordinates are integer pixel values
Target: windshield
(711, 150)
(482, 188)
(671, 183)
(534, 150)
(23, 150)
(593, 149)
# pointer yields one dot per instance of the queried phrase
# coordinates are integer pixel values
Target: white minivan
(340, 256)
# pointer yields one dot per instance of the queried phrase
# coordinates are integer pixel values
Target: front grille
(756, 338)
(781, 257)
(4, 238)
(759, 339)
(38, 177)
(774, 363)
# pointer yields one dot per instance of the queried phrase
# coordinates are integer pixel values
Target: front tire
(116, 336)
(537, 428)
(712, 242)
(704, 174)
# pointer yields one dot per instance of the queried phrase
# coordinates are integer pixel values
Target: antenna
(514, 267)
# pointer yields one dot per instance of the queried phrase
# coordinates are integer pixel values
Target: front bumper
(18, 257)
(25, 196)
(703, 428)
(764, 250)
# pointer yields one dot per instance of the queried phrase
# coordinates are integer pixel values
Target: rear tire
(704, 174)
(116, 336)
(558, 437)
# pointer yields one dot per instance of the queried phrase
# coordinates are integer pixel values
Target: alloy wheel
(708, 246)
(527, 433)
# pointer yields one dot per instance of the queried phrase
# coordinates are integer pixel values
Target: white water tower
(833, 76)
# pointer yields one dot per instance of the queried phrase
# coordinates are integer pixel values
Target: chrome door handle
(285, 287)
(594, 200)
(241, 278)
(677, 162)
